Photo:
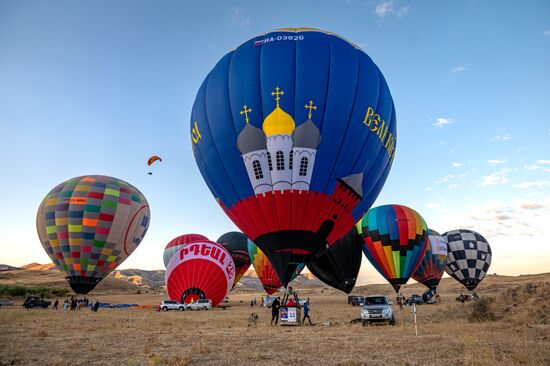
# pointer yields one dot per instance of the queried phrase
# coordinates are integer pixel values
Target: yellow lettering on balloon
(368, 116)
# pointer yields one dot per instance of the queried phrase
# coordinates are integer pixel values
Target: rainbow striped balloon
(395, 241)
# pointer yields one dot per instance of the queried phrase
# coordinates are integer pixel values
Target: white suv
(166, 305)
(200, 304)
(377, 309)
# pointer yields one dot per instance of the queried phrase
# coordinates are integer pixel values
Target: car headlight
(387, 311)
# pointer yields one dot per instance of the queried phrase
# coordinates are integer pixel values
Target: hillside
(55, 279)
(154, 279)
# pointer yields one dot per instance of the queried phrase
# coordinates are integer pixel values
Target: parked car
(377, 308)
(203, 304)
(354, 300)
(36, 302)
(414, 299)
(166, 305)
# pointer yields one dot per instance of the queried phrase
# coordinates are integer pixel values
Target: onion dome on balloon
(395, 241)
(469, 257)
(294, 133)
(88, 225)
(200, 270)
(177, 243)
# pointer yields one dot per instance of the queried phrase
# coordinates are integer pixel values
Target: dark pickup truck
(36, 302)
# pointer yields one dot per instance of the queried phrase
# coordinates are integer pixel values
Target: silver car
(377, 308)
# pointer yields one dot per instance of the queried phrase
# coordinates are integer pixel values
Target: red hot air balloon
(200, 270)
(177, 243)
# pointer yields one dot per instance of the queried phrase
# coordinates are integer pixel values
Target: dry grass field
(518, 334)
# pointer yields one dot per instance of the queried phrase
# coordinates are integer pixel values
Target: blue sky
(97, 87)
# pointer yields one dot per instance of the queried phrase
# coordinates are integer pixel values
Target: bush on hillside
(482, 310)
(20, 291)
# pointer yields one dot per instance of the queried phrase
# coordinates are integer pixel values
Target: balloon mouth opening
(286, 249)
(397, 283)
(82, 284)
(191, 295)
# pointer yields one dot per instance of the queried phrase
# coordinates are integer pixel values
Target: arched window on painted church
(257, 169)
(280, 159)
(269, 161)
(290, 159)
(303, 167)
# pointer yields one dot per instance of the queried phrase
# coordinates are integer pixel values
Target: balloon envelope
(265, 271)
(200, 270)
(236, 244)
(294, 132)
(395, 241)
(338, 266)
(469, 257)
(177, 243)
(89, 225)
(431, 268)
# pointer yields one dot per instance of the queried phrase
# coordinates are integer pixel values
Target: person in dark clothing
(55, 304)
(306, 313)
(275, 306)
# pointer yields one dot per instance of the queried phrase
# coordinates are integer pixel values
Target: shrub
(482, 310)
(19, 291)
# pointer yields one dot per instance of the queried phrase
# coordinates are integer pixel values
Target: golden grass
(221, 337)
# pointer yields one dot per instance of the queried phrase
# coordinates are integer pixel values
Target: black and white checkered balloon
(469, 256)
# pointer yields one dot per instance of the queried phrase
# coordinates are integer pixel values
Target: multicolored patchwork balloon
(177, 243)
(294, 132)
(200, 270)
(431, 268)
(395, 241)
(89, 225)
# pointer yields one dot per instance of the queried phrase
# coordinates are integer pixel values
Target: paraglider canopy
(152, 159)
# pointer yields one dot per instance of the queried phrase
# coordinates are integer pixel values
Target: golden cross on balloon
(310, 106)
(277, 93)
(245, 111)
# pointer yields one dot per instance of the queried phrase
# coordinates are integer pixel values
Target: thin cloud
(459, 69)
(543, 162)
(454, 186)
(546, 33)
(456, 165)
(496, 161)
(505, 137)
(385, 8)
(240, 19)
(498, 178)
(441, 122)
(531, 206)
(533, 168)
(433, 205)
(533, 184)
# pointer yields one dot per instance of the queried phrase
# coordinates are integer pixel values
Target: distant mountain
(151, 279)
(154, 279)
(39, 267)
(6, 267)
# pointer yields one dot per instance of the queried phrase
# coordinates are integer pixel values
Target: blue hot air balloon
(294, 132)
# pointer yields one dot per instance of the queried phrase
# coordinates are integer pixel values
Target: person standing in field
(55, 304)
(306, 313)
(275, 306)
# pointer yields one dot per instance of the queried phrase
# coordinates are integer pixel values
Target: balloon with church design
(294, 132)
